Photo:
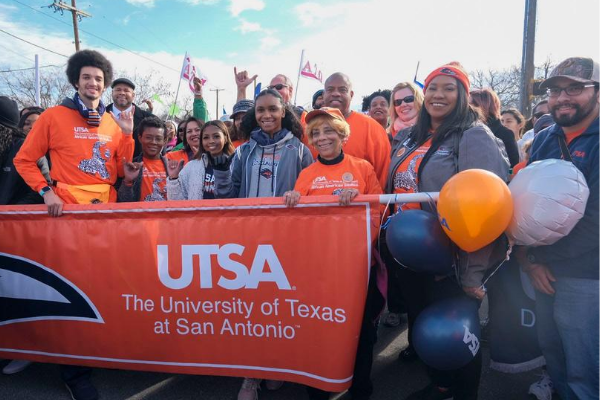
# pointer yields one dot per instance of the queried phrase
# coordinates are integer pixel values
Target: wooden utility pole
(60, 6)
(217, 109)
(527, 66)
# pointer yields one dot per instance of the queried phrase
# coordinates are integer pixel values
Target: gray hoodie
(477, 147)
(263, 167)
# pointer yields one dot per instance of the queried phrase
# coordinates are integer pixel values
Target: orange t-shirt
(405, 177)
(570, 136)
(238, 143)
(81, 154)
(154, 181)
(178, 155)
(369, 141)
(350, 173)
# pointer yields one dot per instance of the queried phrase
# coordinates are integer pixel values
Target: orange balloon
(474, 208)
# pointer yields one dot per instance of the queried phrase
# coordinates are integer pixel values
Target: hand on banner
(125, 120)
(291, 198)
(174, 167)
(347, 195)
(54, 203)
(198, 87)
(131, 171)
(241, 79)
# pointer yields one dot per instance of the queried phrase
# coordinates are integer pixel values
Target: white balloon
(549, 198)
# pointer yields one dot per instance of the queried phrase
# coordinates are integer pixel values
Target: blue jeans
(567, 325)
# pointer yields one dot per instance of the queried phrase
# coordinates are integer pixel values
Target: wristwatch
(530, 257)
(44, 190)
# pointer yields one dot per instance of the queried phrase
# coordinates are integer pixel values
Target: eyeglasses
(573, 90)
(279, 86)
(407, 99)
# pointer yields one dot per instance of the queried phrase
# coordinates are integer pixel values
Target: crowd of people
(410, 139)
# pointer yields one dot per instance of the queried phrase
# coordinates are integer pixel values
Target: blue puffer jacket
(575, 255)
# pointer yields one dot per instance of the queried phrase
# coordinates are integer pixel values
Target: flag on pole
(157, 98)
(224, 112)
(419, 84)
(189, 72)
(312, 71)
(257, 89)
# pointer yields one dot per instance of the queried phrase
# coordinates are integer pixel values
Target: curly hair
(88, 58)
(152, 122)
(289, 121)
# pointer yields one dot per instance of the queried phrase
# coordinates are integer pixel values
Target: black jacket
(508, 138)
(138, 116)
(13, 189)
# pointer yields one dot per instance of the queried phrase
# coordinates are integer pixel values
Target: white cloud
(8, 7)
(198, 2)
(236, 7)
(144, 3)
(311, 13)
(247, 27)
(269, 42)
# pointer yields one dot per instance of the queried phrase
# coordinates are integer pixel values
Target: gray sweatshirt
(190, 183)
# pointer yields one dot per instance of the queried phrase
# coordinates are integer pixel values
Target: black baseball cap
(124, 81)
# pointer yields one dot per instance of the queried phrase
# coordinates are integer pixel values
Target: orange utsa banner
(241, 287)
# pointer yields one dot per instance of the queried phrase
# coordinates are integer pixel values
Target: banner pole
(422, 197)
(298, 78)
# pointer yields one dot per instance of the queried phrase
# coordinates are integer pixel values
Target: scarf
(399, 124)
(91, 116)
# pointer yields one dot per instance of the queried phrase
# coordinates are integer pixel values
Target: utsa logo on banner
(244, 278)
(31, 292)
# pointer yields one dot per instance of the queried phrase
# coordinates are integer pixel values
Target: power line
(98, 37)
(33, 44)
(25, 69)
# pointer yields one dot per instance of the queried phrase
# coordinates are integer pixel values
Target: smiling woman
(446, 139)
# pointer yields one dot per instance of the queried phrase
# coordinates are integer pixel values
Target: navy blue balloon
(446, 334)
(416, 240)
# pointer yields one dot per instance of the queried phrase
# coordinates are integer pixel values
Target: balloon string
(510, 247)
(381, 225)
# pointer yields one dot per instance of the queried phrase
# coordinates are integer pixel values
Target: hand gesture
(291, 198)
(54, 203)
(197, 86)
(131, 170)
(241, 78)
(125, 120)
(149, 104)
(174, 167)
(347, 195)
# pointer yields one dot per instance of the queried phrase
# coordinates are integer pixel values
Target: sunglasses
(407, 99)
(279, 86)
(538, 115)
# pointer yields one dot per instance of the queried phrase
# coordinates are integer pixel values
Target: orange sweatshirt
(81, 154)
(369, 141)
(178, 155)
(350, 173)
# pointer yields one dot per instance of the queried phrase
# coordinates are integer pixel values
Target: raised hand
(241, 78)
(131, 170)
(125, 120)
(174, 167)
(197, 86)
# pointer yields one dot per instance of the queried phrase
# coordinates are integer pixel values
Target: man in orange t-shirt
(146, 177)
(86, 144)
(368, 140)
